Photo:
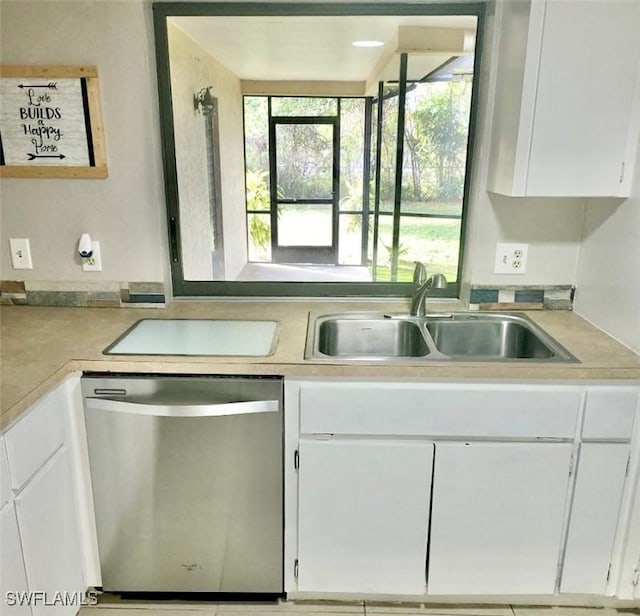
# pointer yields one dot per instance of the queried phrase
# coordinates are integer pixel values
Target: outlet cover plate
(510, 258)
(20, 253)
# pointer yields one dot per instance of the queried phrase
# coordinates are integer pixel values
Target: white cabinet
(363, 515)
(566, 115)
(629, 587)
(445, 410)
(49, 531)
(602, 471)
(594, 517)
(609, 414)
(37, 436)
(5, 481)
(47, 535)
(496, 522)
(13, 581)
(484, 489)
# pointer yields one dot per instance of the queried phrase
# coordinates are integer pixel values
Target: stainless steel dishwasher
(187, 482)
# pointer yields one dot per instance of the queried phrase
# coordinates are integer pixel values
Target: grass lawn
(433, 241)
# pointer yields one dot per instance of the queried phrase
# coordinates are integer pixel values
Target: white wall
(125, 212)
(188, 76)
(608, 277)
(191, 70)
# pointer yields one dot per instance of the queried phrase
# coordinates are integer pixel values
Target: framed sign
(50, 124)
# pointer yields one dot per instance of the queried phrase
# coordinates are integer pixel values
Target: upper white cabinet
(566, 115)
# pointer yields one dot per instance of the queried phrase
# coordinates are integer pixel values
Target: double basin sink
(434, 337)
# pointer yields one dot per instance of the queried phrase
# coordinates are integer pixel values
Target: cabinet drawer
(609, 414)
(438, 410)
(36, 436)
(5, 482)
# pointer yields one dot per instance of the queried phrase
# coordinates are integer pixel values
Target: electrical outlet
(510, 258)
(94, 262)
(20, 253)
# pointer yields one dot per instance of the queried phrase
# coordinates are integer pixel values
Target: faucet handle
(439, 282)
(419, 274)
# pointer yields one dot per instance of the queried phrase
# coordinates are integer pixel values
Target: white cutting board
(197, 337)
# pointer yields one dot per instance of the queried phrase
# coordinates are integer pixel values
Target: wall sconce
(203, 100)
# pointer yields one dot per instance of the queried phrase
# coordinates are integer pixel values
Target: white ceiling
(318, 48)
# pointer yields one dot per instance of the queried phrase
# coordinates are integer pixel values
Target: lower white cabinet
(441, 489)
(49, 530)
(46, 528)
(630, 578)
(497, 517)
(363, 515)
(594, 517)
(13, 581)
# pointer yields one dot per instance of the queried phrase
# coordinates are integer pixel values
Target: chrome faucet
(421, 287)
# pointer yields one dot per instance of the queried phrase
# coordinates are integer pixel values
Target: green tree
(256, 134)
(258, 198)
(439, 123)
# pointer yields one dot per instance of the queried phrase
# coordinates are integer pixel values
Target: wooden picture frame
(50, 122)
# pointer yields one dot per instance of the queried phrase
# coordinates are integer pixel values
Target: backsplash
(152, 294)
(514, 297)
(87, 294)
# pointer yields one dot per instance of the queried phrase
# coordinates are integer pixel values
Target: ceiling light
(367, 43)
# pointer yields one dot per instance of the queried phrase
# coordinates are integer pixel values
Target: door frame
(326, 255)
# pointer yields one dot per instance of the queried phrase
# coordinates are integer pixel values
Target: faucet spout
(419, 274)
(421, 287)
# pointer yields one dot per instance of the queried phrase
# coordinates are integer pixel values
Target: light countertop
(41, 345)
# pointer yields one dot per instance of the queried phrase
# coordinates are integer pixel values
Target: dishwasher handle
(182, 410)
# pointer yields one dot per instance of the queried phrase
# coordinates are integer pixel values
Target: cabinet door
(363, 516)
(50, 536)
(497, 517)
(585, 92)
(594, 517)
(566, 113)
(12, 576)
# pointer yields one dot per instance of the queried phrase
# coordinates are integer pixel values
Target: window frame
(190, 288)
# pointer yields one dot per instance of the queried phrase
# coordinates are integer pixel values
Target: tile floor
(310, 608)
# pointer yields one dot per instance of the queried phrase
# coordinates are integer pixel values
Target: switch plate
(20, 253)
(510, 258)
(94, 262)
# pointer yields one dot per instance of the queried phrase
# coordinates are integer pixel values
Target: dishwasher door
(187, 482)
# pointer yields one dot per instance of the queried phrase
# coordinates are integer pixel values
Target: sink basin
(370, 337)
(498, 339)
(436, 337)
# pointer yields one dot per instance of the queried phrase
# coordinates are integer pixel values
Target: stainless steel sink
(434, 337)
(500, 339)
(370, 337)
